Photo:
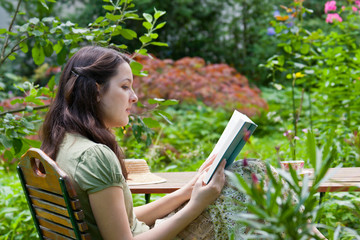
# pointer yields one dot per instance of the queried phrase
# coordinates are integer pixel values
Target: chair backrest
(52, 199)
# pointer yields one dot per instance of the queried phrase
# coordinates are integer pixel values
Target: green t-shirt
(94, 167)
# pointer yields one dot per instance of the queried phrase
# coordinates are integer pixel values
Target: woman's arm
(158, 209)
(109, 210)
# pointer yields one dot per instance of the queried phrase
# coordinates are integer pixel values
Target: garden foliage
(191, 80)
(324, 66)
(51, 40)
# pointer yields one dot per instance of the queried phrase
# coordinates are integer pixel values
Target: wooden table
(174, 181)
(341, 180)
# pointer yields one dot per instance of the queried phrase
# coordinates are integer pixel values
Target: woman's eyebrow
(126, 79)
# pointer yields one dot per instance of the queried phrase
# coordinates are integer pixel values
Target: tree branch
(9, 30)
(23, 109)
(13, 49)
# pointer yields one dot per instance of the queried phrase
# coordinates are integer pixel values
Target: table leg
(147, 197)
(322, 194)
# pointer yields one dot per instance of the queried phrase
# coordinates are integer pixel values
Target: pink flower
(357, 2)
(254, 178)
(354, 9)
(333, 16)
(245, 163)
(330, 6)
(296, 138)
(305, 130)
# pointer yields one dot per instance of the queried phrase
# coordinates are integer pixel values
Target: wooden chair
(51, 196)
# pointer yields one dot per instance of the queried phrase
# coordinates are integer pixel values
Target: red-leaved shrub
(190, 79)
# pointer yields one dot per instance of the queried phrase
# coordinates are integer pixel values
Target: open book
(232, 140)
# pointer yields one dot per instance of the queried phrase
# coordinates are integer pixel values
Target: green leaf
(37, 33)
(60, 58)
(8, 155)
(148, 17)
(163, 102)
(142, 51)
(48, 49)
(145, 39)
(113, 17)
(151, 123)
(43, 3)
(58, 47)
(160, 25)
(305, 49)
(159, 44)
(48, 19)
(287, 48)
(5, 141)
(128, 34)
(135, 66)
(34, 20)
(79, 30)
(24, 47)
(109, 7)
(99, 19)
(164, 115)
(169, 102)
(38, 54)
(3, 30)
(12, 57)
(51, 83)
(311, 149)
(147, 25)
(158, 14)
(156, 100)
(154, 35)
(17, 145)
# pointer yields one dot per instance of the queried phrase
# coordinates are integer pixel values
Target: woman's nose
(133, 98)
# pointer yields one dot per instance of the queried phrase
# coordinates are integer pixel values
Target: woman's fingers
(207, 163)
(219, 176)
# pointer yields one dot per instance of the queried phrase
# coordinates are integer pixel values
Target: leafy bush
(282, 208)
(191, 80)
(341, 209)
(51, 40)
(15, 217)
(324, 66)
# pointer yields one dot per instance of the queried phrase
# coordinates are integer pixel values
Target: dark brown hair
(76, 108)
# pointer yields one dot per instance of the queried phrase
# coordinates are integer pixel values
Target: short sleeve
(98, 169)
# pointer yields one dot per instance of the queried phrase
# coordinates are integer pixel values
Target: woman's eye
(125, 87)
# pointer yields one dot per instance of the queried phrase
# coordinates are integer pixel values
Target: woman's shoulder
(77, 143)
(77, 148)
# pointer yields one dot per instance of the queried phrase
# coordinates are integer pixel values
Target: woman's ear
(98, 95)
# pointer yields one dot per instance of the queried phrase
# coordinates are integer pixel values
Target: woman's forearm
(158, 209)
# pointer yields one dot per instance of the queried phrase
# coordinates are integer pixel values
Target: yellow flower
(299, 75)
(282, 18)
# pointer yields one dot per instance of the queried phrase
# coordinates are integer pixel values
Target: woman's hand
(188, 188)
(202, 194)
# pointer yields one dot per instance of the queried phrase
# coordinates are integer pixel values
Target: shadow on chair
(51, 196)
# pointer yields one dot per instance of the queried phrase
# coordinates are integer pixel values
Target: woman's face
(116, 101)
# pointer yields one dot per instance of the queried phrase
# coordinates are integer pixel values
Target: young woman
(95, 95)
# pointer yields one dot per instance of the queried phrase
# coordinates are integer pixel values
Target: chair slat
(59, 219)
(69, 232)
(48, 234)
(52, 197)
(79, 215)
